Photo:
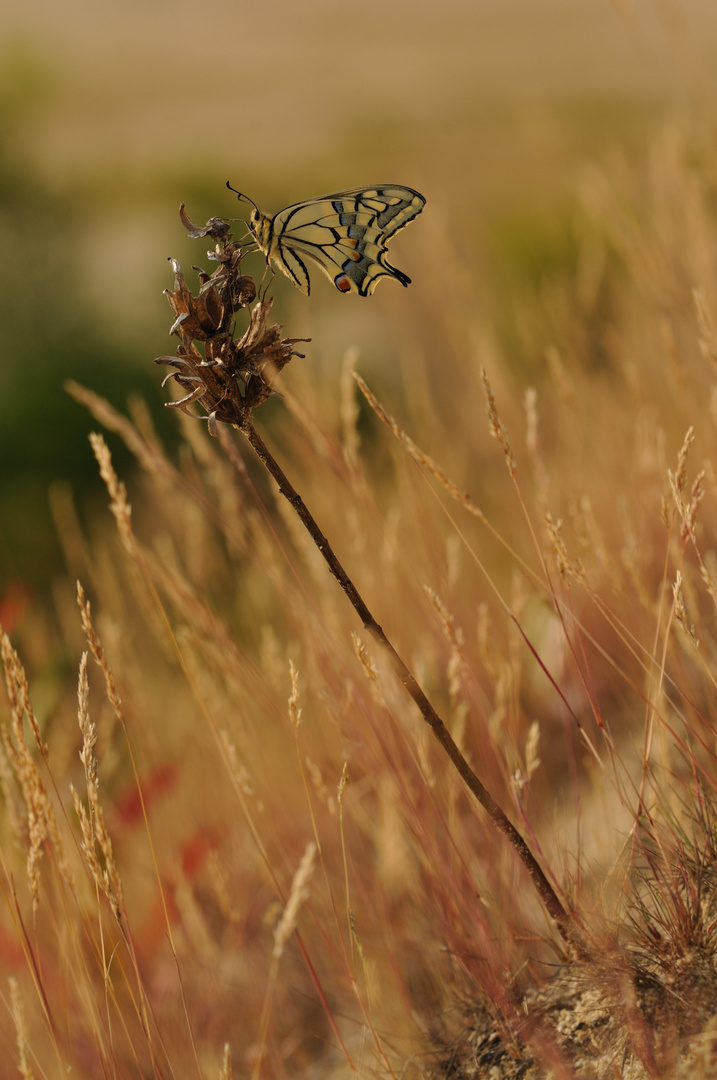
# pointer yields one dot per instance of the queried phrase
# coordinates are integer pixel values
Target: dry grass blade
(418, 455)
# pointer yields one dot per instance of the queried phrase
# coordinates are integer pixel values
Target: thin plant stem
(562, 919)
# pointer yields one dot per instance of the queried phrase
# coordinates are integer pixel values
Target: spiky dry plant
(230, 376)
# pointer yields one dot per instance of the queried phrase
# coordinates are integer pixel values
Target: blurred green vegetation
(536, 255)
(53, 330)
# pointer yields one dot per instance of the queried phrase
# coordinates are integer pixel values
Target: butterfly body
(346, 233)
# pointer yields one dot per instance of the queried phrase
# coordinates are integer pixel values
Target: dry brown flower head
(226, 375)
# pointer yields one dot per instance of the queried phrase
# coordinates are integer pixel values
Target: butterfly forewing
(345, 233)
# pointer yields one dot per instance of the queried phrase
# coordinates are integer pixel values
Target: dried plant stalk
(229, 378)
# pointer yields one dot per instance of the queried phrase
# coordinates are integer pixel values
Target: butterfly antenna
(240, 196)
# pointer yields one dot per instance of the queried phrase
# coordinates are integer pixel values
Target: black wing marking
(346, 233)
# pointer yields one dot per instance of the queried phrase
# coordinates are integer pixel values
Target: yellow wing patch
(345, 233)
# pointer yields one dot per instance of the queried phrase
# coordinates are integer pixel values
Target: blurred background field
(567, 154)
(111, 116)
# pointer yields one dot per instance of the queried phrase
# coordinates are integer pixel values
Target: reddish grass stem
(562, 919)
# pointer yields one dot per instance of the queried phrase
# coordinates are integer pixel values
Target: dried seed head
(294, 707)
(227, 376)
(496, 425)
(681, 471)
(226, 1072)
(708, 337)
(681, 610)
(17, 1009)
(298, 895)
(567, 567)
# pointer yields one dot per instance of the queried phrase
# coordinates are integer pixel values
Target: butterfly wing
(345, 233)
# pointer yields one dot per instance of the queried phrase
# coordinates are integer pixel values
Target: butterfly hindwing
(345, 233)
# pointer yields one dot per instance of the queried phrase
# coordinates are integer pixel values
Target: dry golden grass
(251, 838)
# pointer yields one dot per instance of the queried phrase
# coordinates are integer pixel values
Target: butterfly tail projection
(362, 275)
